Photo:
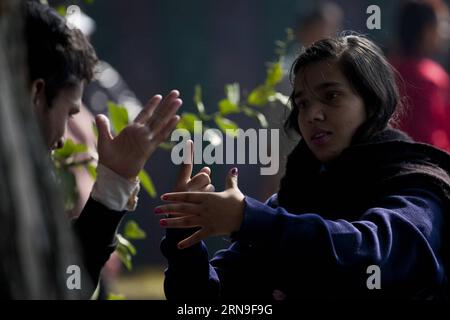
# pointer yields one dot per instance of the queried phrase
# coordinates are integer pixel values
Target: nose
(316, 113)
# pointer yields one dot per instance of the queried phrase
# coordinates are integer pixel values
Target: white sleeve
(114, 191)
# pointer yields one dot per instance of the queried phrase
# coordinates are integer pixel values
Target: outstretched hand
(216, 213)
(200, 182)
(127, 153)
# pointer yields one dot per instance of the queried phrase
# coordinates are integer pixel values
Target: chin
(327, 157)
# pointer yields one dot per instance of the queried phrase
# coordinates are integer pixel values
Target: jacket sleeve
(191, 276)
(401, 234)
(96, 229)
(188, 276)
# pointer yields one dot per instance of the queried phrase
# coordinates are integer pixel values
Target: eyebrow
(75, 109)
(321, 86)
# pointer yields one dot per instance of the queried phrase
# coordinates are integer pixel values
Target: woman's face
(329, 109)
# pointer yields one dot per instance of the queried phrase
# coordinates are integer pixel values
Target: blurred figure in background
(421, 28)
(323, 20)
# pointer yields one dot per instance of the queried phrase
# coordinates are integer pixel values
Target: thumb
(103, 126)
(231, 181)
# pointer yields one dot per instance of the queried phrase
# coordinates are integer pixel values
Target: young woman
(360, 213)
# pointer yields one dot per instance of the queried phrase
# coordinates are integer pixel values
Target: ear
(38, 98)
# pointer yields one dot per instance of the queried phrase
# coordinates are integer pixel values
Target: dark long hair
(367, 70)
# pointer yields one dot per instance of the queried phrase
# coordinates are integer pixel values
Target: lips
(320, 137)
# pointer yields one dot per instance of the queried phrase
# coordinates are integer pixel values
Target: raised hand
(216, 213)
(127, 153)
(200, 182)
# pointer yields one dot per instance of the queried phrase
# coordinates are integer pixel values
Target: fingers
(183, 208)
(199, 181)
(160, 125)
(208, 188)
(190, 197)
(193, 239)
(231, 181)
(103, 126)
(181, 222)
(173, 94)
(144, 116)
(186, 168)
(206, 170)
(148, 110)
(164, 133)
(165, 110)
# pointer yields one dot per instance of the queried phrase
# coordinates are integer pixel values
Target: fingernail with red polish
(164, 197)
(158, 210)
(163, 223)
(180, 246)
(234, 171)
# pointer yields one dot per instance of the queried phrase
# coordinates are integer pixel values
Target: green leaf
(260, 95)
(61, 10)
(68, 183)
(198, 99)
(248, 111)
(124, 256)
(278, 96)
(187, 121)
(92, 171)
(213, 137)
(118, 116)
(227, 107)
(261, 118)
(126, 244)
(274, 74)
(226, 124)
(132, 231)
(166, 145)
(281, 46)
(69, 149)
(114, 296)
(233, 93)
(289, 35)
(125, 250)
(147, 183)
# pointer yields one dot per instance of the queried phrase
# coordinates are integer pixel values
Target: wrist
(239, 214)
(125, 173)
(114, 191)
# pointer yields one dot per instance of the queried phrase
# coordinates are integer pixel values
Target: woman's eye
(331, 95)
(72, 115)
(302, 104)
